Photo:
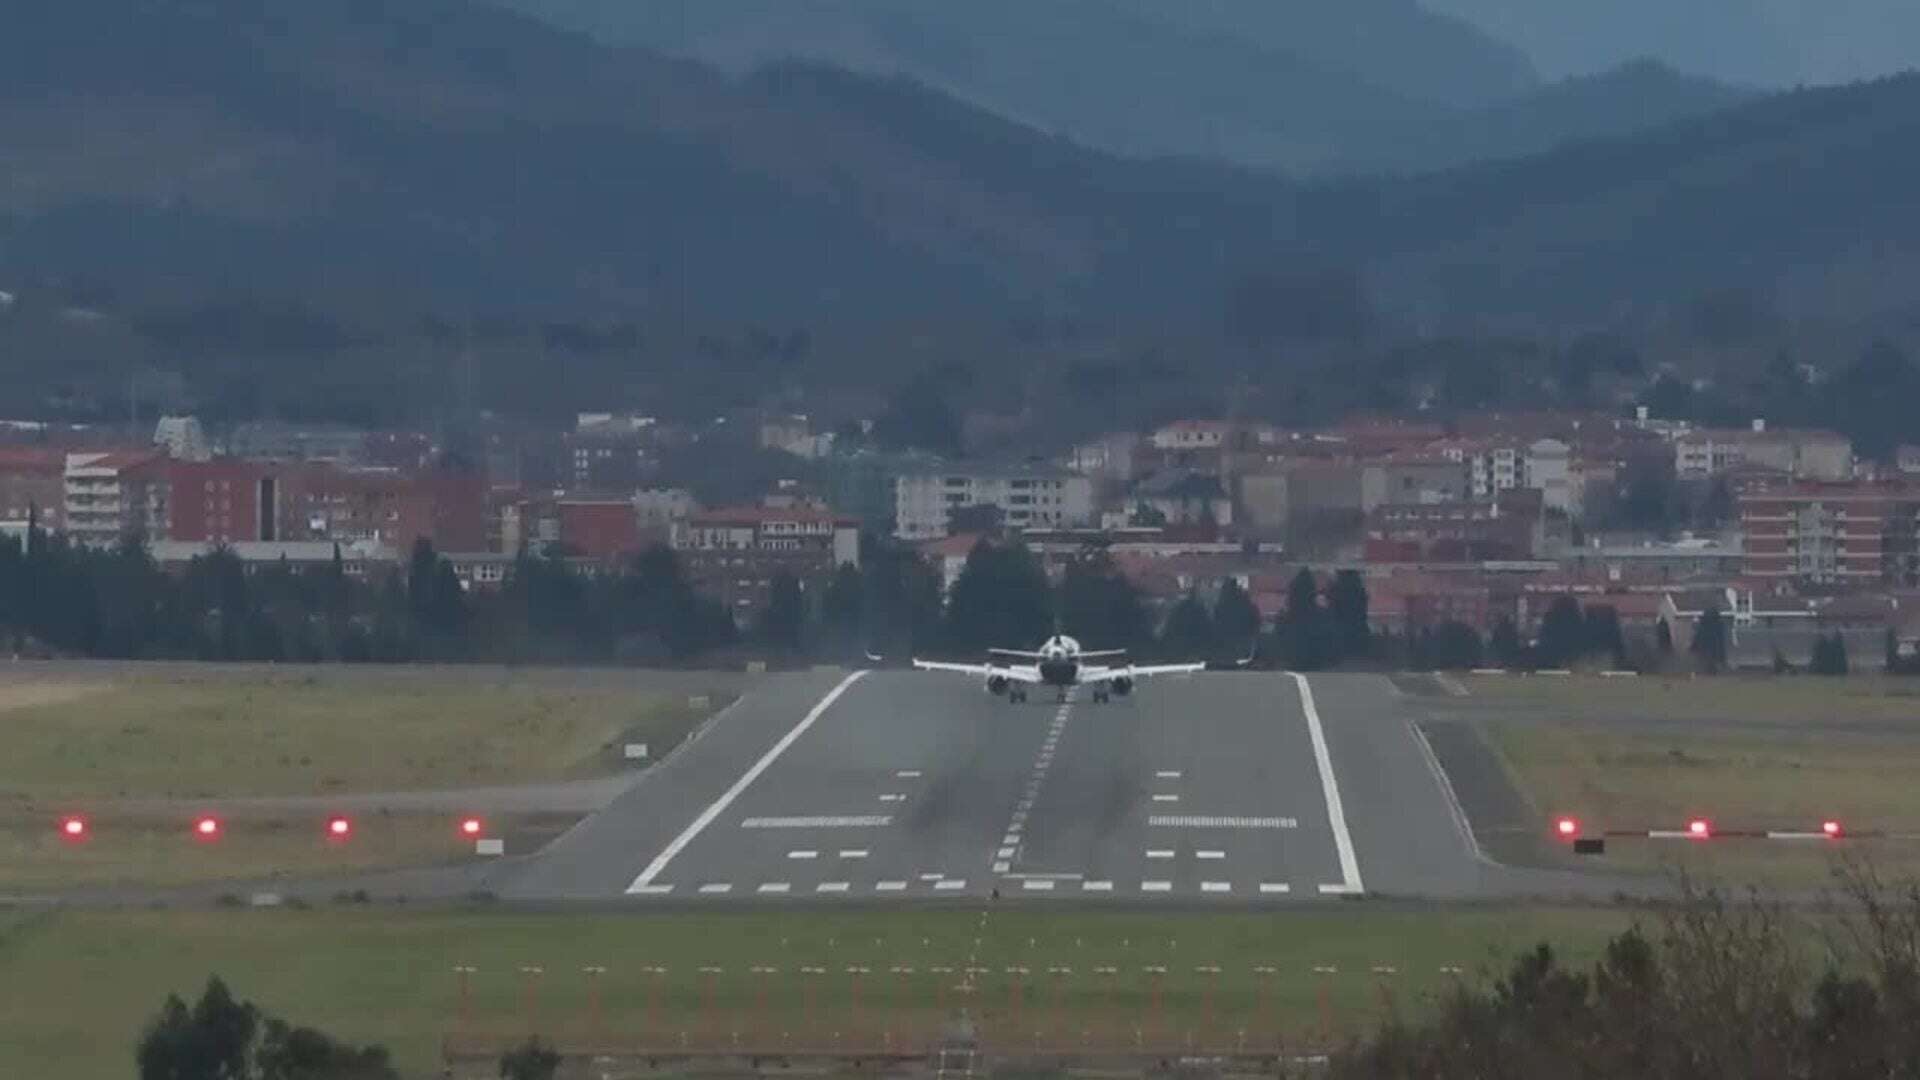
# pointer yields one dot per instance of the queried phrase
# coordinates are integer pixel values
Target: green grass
(260, 735)
(1794, 700)
(1745, 778)
(35, 857)
(387, 976)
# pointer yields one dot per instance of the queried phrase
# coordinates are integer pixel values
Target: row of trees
(118, 603)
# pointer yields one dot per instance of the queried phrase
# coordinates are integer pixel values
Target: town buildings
(1025, 495)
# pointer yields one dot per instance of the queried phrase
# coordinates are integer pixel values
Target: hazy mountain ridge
(436, 154)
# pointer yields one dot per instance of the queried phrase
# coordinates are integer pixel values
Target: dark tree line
(117, 603)
(221, 1038)
(1709, 989)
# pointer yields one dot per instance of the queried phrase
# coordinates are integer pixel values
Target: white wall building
(1028, 496)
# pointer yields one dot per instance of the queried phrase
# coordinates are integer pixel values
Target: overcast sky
(1762, 42)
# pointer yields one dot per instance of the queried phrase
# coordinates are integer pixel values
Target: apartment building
(1828, 533)
(112, 494)
(733, 554)
(1027, 495)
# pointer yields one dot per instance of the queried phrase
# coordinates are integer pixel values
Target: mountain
(1302, 85)
(1805, 197)
(1774, 43)
(444, 152)
(411, 155)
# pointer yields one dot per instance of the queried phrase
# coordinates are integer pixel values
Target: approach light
(1699, 829)
(339, 828)
(73, 828)
(207, 828)
(1567, 827)
(1831, 829)
(470, 827)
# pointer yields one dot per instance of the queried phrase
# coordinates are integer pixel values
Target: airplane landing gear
(1101, 697)
(1016, 695)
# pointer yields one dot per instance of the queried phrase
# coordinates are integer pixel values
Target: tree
(843, 609)
(1189, 629)
(920, 415)
(1663, 637)
(1829, 655)
(1710, 639)
(1306, 632)
(1000, 599)
(1101, 607)
(221, 1038)
(1562, 634)
(1601, 635)
(783, 623)
(1453, 646)
(531, 1060)
(1236, 621)
(1505, 644)
(978, 518)
(1347, 608)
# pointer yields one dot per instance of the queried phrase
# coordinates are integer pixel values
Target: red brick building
(1830, 533)
(1456, 532)
(602, 529)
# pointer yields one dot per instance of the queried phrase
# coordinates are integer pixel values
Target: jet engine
(996, 684)
(1122, 686)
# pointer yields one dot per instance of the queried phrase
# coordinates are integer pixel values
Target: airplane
(1062, 664)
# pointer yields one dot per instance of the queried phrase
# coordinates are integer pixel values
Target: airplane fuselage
(1061, 672)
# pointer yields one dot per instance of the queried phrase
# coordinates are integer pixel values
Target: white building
(1028, 496)
(183, 438)
(112, 494)
(1545, 468)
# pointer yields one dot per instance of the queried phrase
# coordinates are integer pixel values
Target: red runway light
(1699, 829)
(207, 828)
(1831, 828)
(339, 828)
(1567, 827)
(470, 827)
(73, 828)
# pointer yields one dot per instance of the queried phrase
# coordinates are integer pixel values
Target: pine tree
(1710, 640)
(1347, 611)
(1236, 621)
(1562, 634)
(1189, 630)
(1505, 645)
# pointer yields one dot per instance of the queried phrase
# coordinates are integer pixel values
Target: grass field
(79, 743)
(387, 976)
(263, 735)
(1850, 759)
(1795, 700)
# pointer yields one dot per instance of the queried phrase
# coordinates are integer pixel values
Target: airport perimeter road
(903, 786)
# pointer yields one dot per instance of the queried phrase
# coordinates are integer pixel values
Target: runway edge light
(470, 826)
(73, 828)
(1567, 828)
(1699, 829)
(339, 827)
(1832, 829)
(207, 828)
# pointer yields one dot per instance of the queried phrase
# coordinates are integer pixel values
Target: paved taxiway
(1223, 787)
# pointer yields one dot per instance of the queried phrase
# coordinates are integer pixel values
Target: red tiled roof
(759, 515)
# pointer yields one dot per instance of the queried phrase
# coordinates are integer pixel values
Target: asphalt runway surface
(1220, 788)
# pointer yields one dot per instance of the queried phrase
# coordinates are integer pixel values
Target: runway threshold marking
(1330, 787)
(719, 805)
(1205, 821)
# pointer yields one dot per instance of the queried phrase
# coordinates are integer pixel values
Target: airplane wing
(1089, 676)
(1020, 673)
(1102, 654)
(1014, 653)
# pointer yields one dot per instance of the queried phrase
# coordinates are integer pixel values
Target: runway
(1219, 788)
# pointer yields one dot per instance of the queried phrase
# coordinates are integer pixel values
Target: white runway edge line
(1336, 814)
(707, 816)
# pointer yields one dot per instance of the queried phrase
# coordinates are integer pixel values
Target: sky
(1753, 42)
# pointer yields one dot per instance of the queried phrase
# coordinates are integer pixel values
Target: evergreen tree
(1710, 639)
(1347, 609)
(1189, 631)
(1505, 644)
(783, 623)
(1100, 607)
(1562, 634)
(1453, 646)
(1602, 635)
(1236, 621)
(842, 610)
(1000, 600)
(1663, 638)
(1829, 655)
(1308, 637)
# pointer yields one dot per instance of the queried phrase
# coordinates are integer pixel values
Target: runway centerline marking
(1167, 774)
(803, 854)
(775, 887)
(832, 886)
(1166, 798)
(1160, 853)
(854, 853)
(726, 799)
(716, 888)
(1029, 795)
(1156, 886)
(1336, 813)
(1209, 854)
(1216, 886)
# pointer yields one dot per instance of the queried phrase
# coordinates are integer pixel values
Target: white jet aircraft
(1059, 663)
